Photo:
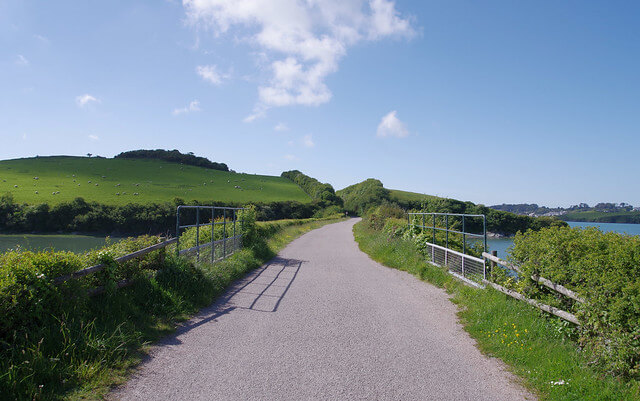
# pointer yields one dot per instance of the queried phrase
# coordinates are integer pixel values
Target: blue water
(502, 244)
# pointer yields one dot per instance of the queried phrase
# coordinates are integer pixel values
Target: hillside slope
(59, 179)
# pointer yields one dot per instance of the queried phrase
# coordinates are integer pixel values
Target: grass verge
(536, 347)
(83, 353)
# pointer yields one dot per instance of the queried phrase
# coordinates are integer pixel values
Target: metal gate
(468, 226)
(210, 232)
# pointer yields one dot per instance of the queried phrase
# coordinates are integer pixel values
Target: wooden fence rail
(547, 283)
(125, 258)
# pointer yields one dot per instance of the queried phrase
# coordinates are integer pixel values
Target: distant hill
(121, 181)
(358, 198)
(404, 196)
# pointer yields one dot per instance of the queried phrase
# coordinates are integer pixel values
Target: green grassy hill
(58, 179)
(409, 196)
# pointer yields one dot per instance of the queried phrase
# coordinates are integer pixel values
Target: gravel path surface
(322, 321)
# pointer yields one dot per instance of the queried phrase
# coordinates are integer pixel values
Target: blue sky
(494, 101)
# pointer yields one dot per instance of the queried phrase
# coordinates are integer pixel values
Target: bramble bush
(604, 268)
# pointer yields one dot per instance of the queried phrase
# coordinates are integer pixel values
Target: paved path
(322, 321)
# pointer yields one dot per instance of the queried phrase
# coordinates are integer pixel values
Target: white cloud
(307, 141)
(390, 125)
(192, 107)
(290, 157)
(22, 60)
(84, 100)
(94, 137)
(210, 74)
(281, 127)
(302, 41)
(41, 38)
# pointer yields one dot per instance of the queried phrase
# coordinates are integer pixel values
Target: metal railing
(208, 218)
(459, 263)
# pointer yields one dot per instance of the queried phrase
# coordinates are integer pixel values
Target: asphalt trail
(322, 321)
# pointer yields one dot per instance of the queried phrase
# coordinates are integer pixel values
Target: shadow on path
(262, 290)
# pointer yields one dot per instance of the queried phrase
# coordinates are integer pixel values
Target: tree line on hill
(173, 156)
(324, 194)
(534, 209)
(131, 219)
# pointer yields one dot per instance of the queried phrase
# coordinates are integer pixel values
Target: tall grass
(90, 345)
(538, 348)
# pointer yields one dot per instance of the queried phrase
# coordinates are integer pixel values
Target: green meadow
(409, 196)
(59, 179)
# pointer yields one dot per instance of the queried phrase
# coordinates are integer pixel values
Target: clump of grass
(538, 348)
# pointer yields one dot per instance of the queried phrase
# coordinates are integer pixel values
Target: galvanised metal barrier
(469, 268)
(208, 218)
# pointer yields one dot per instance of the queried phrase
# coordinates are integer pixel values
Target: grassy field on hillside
(409, 196)
(120, 181)
(602, 217)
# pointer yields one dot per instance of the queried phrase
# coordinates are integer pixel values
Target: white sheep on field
(89, 182)
(135, 194)
(35, 178)
(15, 186)
(36, 192)
(118, 193)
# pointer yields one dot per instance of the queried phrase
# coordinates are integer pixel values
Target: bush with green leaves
(604, 268)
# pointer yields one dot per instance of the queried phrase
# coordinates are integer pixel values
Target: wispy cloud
(211, 74)
(290, 157)
(21, 60)
(94, 137)
(192, 107)
(302, 42)
(390, 125)
(307, 141)
(41, 38)
(280, 127)
(86, 99)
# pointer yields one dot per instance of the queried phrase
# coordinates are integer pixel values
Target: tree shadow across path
(262, 290)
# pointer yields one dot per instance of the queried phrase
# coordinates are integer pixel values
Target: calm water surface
(73, 243)
(502, 244)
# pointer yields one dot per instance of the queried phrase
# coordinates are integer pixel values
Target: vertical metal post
(409, 219)
(462, 267)
(242, 228)
(198, 234)
(446, 222)
(423, 223)
(464, 238)
(434, 228)
(224, 233)
(234, 230)
(213, 241)
(484, 229)
(178, 231)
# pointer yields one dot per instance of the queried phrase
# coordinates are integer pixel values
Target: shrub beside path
(323, 321)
